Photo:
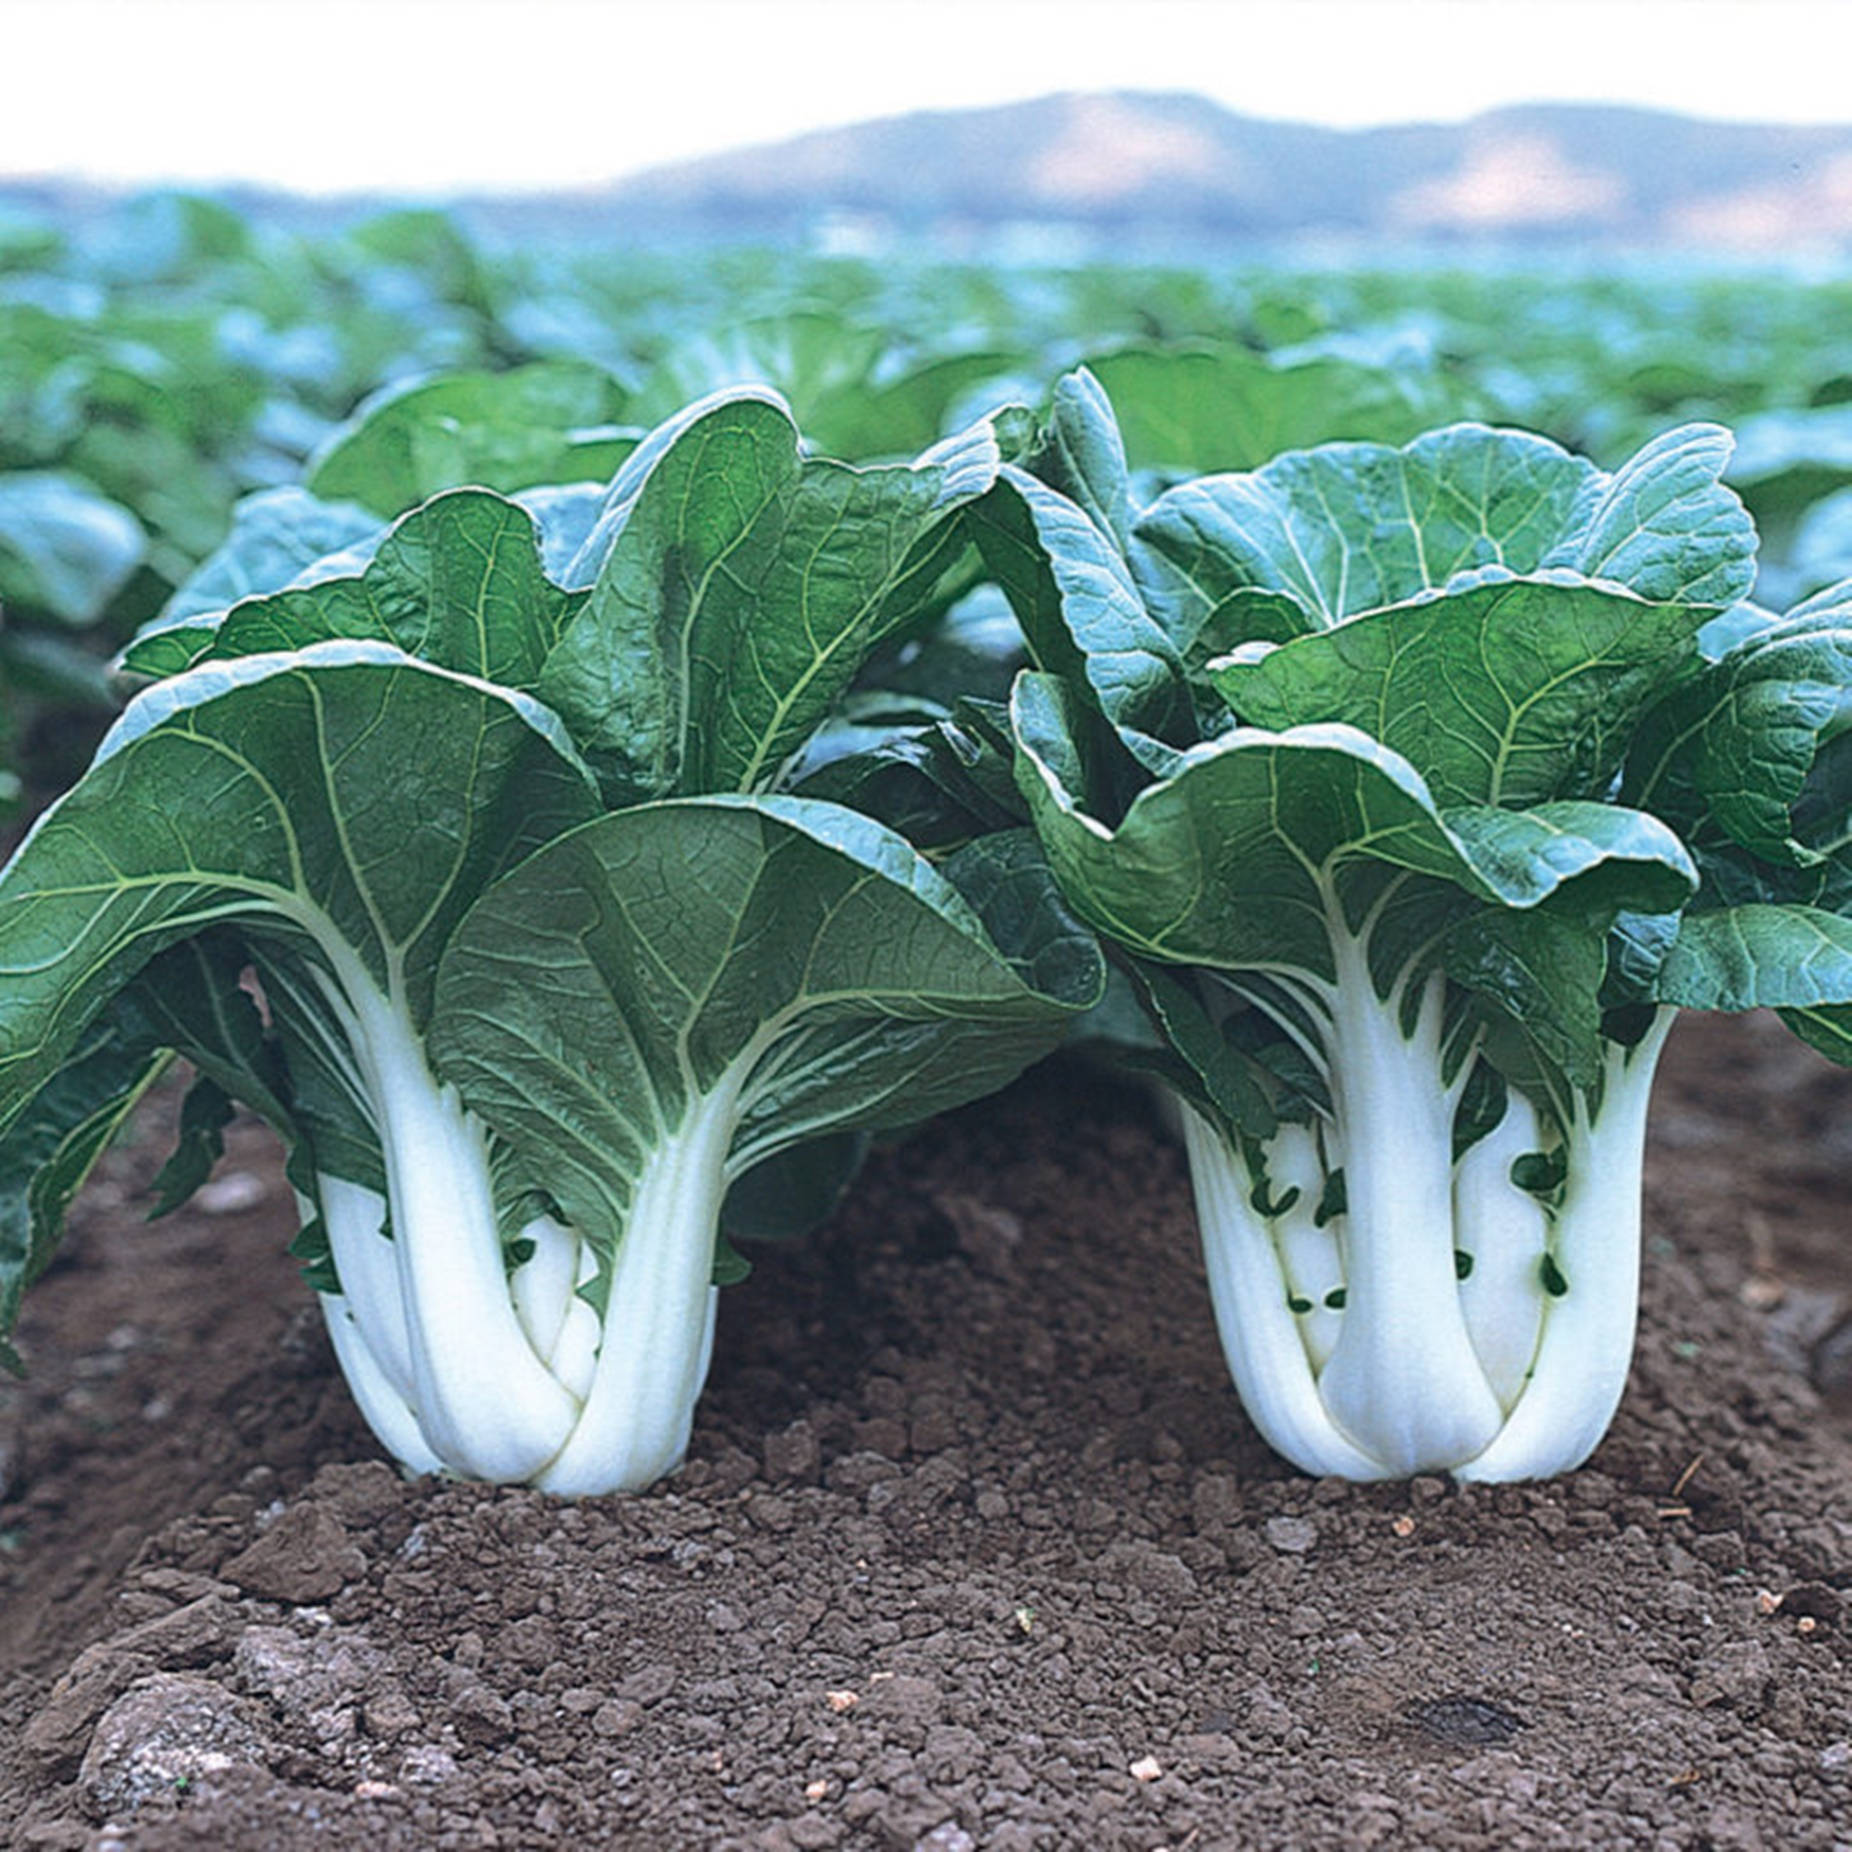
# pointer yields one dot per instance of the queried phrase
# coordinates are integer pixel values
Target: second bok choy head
(462, 858)
(1413, 790)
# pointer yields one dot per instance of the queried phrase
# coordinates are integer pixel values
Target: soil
(974, 1548)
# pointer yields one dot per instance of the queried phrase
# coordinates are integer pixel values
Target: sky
(433, 96)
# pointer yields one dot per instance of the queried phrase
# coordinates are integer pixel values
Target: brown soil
(974, 1549)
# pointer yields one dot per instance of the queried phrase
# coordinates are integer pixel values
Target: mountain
(1164, 169)
(1174, 176)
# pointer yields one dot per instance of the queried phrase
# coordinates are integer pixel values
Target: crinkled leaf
(457, 583)
(1543, 972)
(1506, 692)
(276, 536)
(1081, 613)
(1742, 748)
(1349, 528)
(739, 587)
(1665, 527)
(1637, 947)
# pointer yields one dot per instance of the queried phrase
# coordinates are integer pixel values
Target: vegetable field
(796, 1054)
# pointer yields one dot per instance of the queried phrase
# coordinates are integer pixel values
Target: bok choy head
(474, 879)
(1351, 760)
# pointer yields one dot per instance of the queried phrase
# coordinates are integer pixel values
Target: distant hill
(1164, 168)
(1131, 173)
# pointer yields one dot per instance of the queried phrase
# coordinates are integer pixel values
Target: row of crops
(678, 725)
(171, 367)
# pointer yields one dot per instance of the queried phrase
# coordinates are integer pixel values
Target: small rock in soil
(1150, 1570)
(162, 1735)
(194, 1635)
(988, 1235)
(305, 1556)
(1815, 1601)
(1736, 1674)
(427, 1766)
(1464, 1722)
(793, 1453)
(1292, 1536)
(951, 1837)
(648, 1684)
(237, 1192)
(57, 1735)
(478, 1714)
(390, 1713)
(360, 1493)
(912, 1700)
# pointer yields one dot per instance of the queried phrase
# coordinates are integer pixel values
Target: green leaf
(276, 536)
(1741, 747)
(788, 955)
(187, 1001)
(1203, 408)
(902, 412)
(1082, 614)
(456, 584)
(1759, 957)
(739, 587)
(48, 1150)
(1788, 458)
(1231, 861)
(54, 666)
(205, 1112)
(65, 550)
(793, 1191)
(937, 785)
(1483, 1105)
(1826, 1028)
(1228, 1082)
(1637, 947)
(1081, 454)
(345, 800)
(1507, 692)
(1664, 527)
(1541, 972)
(554, 421)
(1350, 528)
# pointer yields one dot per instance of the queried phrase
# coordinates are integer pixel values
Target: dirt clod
(160, 1737)
(305, 1556)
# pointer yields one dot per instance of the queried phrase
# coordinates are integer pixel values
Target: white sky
(428, 95)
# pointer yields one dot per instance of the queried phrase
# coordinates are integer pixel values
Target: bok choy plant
(1413, 789)
(477, 883)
